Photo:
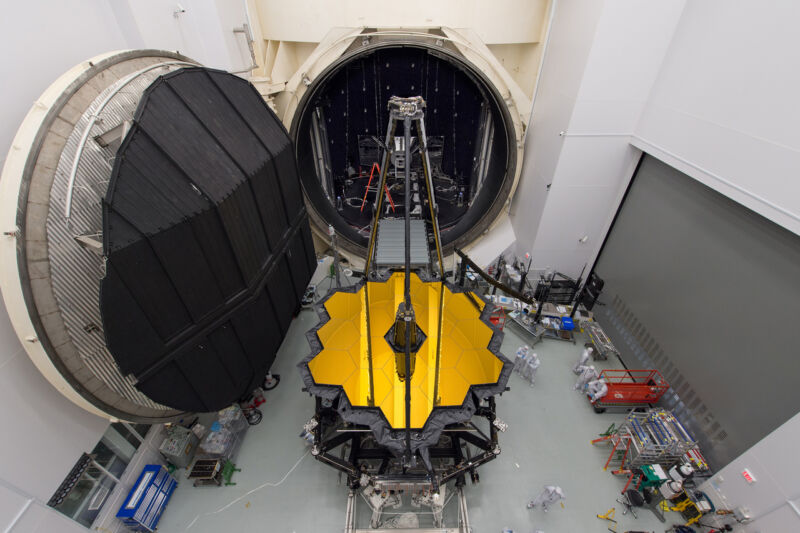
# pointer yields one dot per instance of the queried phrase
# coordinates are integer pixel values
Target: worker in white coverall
(597, 389)
(522, 357)
(584, 358)
(550, 495)
(530, 366)
(588, 373)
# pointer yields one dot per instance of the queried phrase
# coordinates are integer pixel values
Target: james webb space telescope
(404, 364)
(158, 245)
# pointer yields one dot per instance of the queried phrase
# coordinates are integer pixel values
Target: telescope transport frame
(462, 527)
(384, 479)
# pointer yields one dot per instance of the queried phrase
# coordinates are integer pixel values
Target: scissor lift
(631, 388)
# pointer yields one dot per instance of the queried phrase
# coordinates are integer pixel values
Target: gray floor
(283, 489)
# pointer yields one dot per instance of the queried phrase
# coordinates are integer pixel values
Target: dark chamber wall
(207, 241)
(464, 118)
(356, 99)
(706, 291)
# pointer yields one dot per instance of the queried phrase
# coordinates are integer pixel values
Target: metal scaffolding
(648, 437)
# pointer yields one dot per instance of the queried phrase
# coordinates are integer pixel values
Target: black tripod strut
(411, 112)
(426, 169)
(407, 277)
(390, 128)
(434, 209)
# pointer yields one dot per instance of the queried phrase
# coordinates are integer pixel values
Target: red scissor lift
(631, 388)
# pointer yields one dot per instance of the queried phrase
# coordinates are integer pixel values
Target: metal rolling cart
(525, 323)
(212, 472)
(552, 325)
(179, 446)
(558, 327)
(217, 451)
(651, 437)
(206, 472)
(603, 347)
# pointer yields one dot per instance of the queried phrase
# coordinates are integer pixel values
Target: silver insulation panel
(62, 177)
(76, 211)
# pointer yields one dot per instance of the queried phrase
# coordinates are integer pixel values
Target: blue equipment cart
(147, 499)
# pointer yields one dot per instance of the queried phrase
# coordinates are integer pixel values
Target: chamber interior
(342, 131)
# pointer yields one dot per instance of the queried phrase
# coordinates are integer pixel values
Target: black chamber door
(207, 241)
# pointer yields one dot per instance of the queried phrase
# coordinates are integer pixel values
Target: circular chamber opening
(340, 129)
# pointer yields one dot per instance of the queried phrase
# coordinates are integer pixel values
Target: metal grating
(76, 271)
(391, 243)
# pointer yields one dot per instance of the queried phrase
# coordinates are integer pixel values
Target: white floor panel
(283, 489)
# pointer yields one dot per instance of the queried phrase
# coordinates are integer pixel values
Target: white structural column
(724, 107)
(600, 65)
(772, 498)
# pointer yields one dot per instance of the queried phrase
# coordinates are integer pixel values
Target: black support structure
(461, 448)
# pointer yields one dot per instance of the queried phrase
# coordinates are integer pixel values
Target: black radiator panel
(207, 241)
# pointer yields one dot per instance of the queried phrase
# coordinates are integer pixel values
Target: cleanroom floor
(283, 489)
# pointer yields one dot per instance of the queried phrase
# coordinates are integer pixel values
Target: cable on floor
(278, 484)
